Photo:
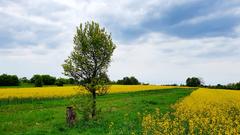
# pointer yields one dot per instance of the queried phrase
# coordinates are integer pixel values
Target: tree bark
(94, 104)
(70, 116)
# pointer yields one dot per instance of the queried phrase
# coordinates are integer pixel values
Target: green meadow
(120, 113)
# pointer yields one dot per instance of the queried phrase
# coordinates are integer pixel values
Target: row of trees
(232, 86)
(127, 81)
(37, 80)
(40, 80)
(198, 82)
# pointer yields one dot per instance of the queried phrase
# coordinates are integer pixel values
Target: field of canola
(205, 111)
(49, 92)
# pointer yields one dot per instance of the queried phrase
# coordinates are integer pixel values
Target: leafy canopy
(90, 58)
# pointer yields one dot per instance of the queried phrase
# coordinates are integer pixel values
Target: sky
(158, 41)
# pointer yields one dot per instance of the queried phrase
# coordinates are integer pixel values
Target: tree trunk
(94, 104)
(70, 116)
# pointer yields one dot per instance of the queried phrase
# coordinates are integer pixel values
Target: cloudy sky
(158, 41)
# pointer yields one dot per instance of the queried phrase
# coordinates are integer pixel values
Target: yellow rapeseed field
(45, 92)
(205, 111)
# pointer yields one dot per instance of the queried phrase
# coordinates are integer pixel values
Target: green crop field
(119, 113)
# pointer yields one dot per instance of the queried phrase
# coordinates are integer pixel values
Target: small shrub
(82, 103)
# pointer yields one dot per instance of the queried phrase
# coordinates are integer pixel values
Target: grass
(47, 116)
(21, 85)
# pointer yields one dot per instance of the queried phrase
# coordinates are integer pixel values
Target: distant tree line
(40, 80)
(127, 81)
(198, 82)
(37, 80)
(232, 86)
(124, 81)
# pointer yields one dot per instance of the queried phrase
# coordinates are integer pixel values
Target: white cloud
(211, 15)
(159, 58)
(38, 59)
(153, 57)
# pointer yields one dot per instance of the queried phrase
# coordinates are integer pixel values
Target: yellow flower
(205, 111)
(48, 92)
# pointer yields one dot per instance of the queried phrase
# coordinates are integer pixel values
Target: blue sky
(157, 41)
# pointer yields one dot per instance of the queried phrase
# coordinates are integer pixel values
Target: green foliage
(21, 85)
(60, 81)
(9, 80)
(90, 58)
(24, 80)
(121, 109)
(32, 80)
(232, 86)
(66, 80)
(48, 80)
(82, 104)
(104, 78)
(38, 82)
(71, 81)
(193, 82)
(128, 81)
(103, 90)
